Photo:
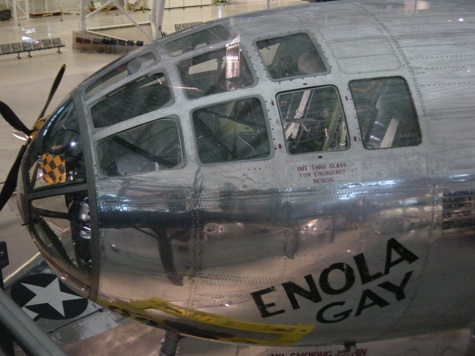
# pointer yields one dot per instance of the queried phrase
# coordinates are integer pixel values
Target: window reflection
(290, 56)
(197, 40)
(215, 72)
(147, 148)
(232, 131)
(386, 113)
(55, 163)
(62, 225)
(121, 71)
(56, 155)
(313, 120)
(141, 96)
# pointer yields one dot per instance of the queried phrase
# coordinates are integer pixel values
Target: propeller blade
(10, 183)
(12, 119)
(55, 86)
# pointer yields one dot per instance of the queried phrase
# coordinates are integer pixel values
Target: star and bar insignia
(45, 296)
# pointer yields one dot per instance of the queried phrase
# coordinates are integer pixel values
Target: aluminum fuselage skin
(296, 249)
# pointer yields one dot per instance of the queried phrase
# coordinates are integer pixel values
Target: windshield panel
(215, 72)
(147, 148)
(138, 97)
(291, 56)
(197, 40)
(56, 156)
(232, 131)
(121, 71)
(313, 120)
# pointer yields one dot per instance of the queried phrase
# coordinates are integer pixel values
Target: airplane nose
(53, 197)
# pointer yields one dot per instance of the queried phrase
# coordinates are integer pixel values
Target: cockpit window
(121, 71)
(138, 97)
(291, 56)
(197, 40)
(56, 155)
(215, 72)
(232, 131)
(313, 120)
(386, 113)
(147, 148)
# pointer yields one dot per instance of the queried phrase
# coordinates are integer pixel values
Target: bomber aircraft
(295, 177)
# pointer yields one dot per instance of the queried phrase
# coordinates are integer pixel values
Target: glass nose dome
(53, 197)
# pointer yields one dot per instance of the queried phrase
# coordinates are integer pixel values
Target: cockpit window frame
(109, 69)
(101, 175)
(315, 44)
(314, 128)
(53, 158)
(120, 87)
(189, 35)
(265, 120)
(243, 54)
(378, 117)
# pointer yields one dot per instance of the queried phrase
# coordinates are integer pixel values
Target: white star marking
(51, 294)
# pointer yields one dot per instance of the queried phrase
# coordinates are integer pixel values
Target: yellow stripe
(37, 126)
(283, 334)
